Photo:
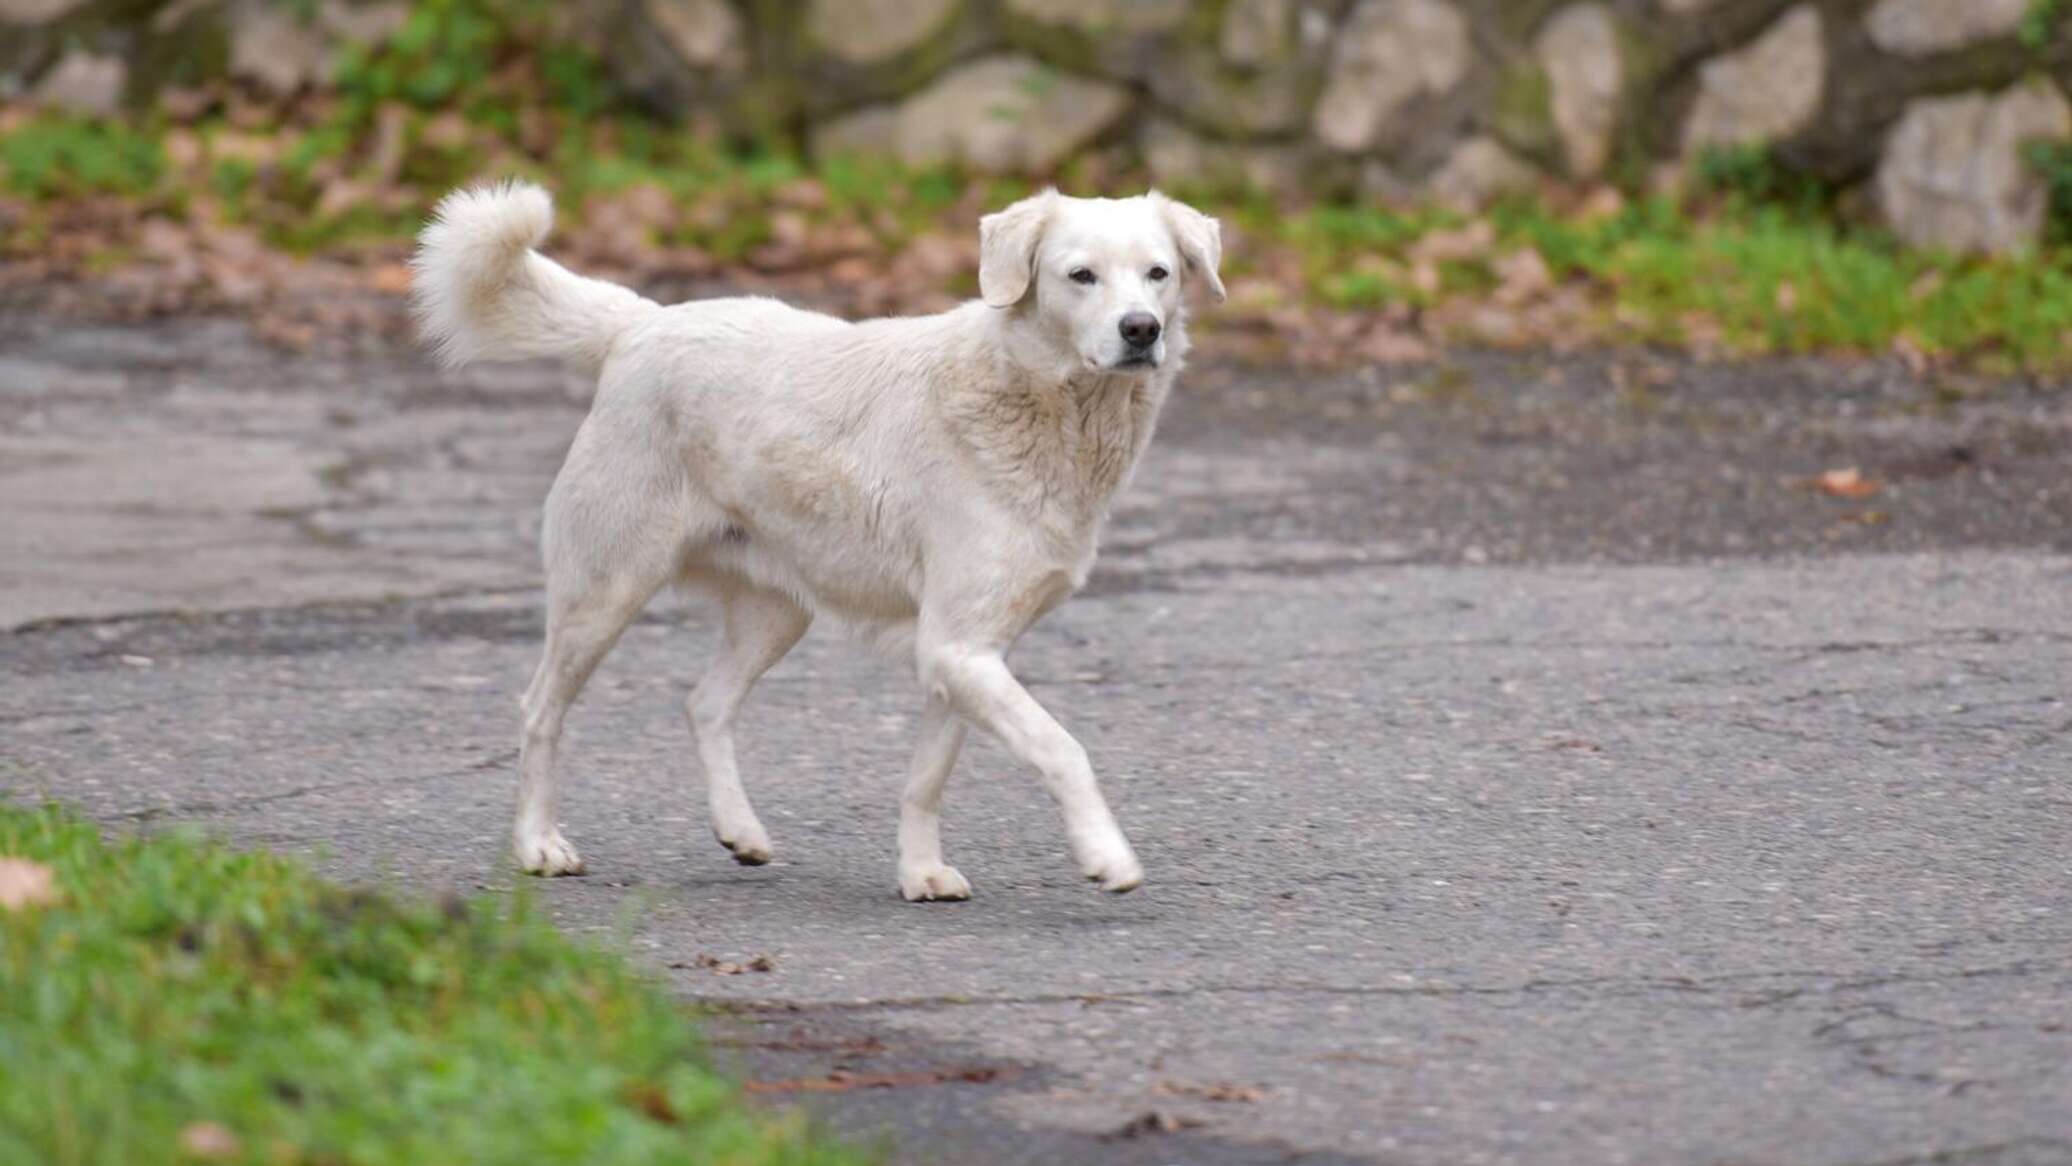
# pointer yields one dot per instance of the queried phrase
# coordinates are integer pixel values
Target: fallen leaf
(1911, 355)
(1455, 246)
(209, 1139)
(1603, 202)
(1846, 483)
(1386, 345)
(1522, 276)
(26, 883)
(720, 967)
(390, 278)
(648, 1098)
(446, 131)
(1153, 1122)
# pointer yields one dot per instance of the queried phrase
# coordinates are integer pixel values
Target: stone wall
(1924, 103)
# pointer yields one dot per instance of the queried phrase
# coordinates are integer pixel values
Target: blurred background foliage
(214, 181)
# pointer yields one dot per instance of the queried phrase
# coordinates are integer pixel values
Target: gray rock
(363, 23)
(82, 83)
(706, 35)
(36, 11)
(1768, 90)
(1389, 53)
(1914, 27)
(1477, 173)
(1002, 114)
(1272, 100)
(1178, 156)
(1953, 175)
(1105, 16)
(1256, 32)
(276, 50)
(869, 32)
(872, 131)
(1579, 48)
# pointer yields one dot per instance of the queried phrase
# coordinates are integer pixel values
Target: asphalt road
(1529, 765)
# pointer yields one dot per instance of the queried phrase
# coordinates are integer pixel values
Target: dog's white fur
(938, 482)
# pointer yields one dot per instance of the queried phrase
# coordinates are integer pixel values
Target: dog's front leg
(975, 681)
(923, 876)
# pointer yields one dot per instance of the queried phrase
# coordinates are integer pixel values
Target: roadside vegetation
(1745, 259)
(171, 1000)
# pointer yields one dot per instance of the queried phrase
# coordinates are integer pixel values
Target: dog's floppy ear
(1007, 248)
(1200, 239)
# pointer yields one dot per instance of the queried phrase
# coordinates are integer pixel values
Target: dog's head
(1101, 278)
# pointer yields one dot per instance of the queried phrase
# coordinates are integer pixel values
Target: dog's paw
(933, 884)
(749, 845)
(547, 853)
(1114, 866)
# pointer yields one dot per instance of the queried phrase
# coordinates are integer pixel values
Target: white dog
(939, 482)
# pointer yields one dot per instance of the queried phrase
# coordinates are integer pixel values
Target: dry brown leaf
(210, 1139)
(1157, 1121)
(1455, 246)
(24, 882)
(720, 967)
(1424, 276)
(1846, 483)
(257, 149)
(1522, 276)
(1385, 345)
(341, 196)
(390, 278)
(802, 194)
(183, 148)
(1787, 298)
(649, 1099)
(446, 131)
(1604, 202)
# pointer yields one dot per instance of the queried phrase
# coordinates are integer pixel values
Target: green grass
(178, 982)
(57, 157)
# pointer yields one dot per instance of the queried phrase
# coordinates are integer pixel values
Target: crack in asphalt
(1842, 982)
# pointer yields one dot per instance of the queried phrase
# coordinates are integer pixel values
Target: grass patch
(55, 157)
(177, 985)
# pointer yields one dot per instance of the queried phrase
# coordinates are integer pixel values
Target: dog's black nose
(1140, 329)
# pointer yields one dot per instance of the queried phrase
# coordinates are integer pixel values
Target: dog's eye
(1156, 274)
(1081, 275)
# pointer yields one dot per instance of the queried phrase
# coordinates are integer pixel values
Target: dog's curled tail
(479, 289)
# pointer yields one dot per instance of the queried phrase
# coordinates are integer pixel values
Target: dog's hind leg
(761, 625)
(608, 547)
(923, 876)
(581, 627)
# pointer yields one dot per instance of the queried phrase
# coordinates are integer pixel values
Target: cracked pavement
(1528, 767)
